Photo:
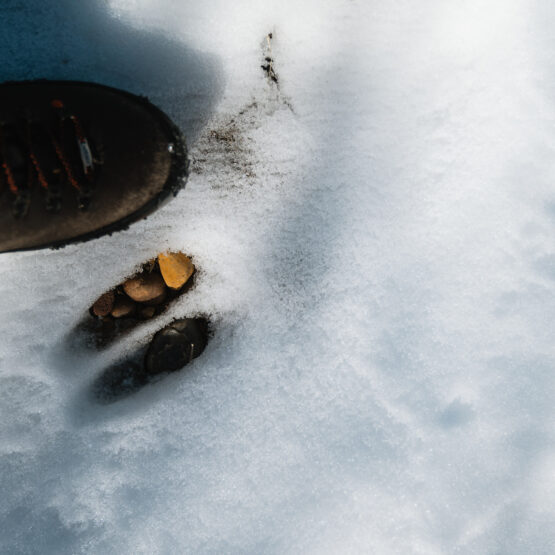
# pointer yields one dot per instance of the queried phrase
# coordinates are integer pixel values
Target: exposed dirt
(224, 153)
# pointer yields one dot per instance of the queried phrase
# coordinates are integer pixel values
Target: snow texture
(374, 238)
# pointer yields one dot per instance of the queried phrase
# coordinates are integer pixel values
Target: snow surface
(375, 246)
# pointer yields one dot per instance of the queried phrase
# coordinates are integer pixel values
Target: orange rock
(104, 304)
(123, 306)
(176, 268)
(145, 287)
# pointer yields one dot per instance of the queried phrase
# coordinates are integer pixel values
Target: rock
(157, 300)
(176, 268)
(123, 306)
(145, 287)
(104, 304)
(176, 345)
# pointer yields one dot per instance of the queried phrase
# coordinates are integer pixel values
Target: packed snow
(374, 240)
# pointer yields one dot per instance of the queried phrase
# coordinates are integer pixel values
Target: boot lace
(47, 155)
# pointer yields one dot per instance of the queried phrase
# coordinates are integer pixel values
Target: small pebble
(123, 306)
(157, 300)
(145, 287)
(176, 269)
(104, 304)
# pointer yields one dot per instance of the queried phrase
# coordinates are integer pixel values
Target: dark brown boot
(79, 160)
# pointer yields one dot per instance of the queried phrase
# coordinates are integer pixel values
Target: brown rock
(123, 306)
(145, 287)
(104, 304)
(157, 300)
(176, 268)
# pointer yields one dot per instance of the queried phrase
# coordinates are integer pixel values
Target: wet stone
(176, 345)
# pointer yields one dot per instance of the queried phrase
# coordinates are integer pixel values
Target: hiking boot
(176, 345)
(79, 160)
